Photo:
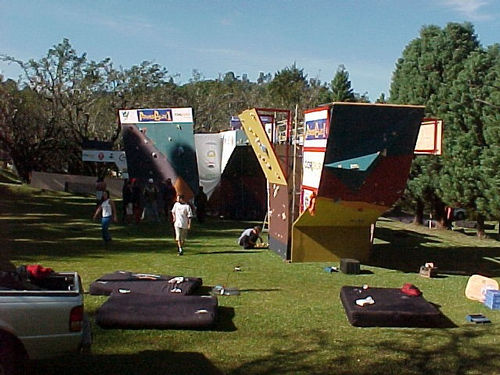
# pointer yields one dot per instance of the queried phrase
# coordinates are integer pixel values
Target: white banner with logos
(312, 168)
(209, 156)
(158, 115)
(117, 157)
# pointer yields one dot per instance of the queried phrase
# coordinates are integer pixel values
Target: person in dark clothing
(169, 196)
(136, 200)
(128, 206)
(249, 237)
(200, 202)
(151, 201)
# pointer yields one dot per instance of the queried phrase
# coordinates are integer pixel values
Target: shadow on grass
(261, 290)
(443, 321)
(229, 252)
(146, 362)
(411, 252)
(224, 322)
(422, 351)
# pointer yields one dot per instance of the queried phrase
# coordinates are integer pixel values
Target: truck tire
(12, 355)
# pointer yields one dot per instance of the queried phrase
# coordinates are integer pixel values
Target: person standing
(200, 202)
(151, 201)
(168, 194)
(128, 206)
(107, 210)
(181, 216)
(100, 188)
(136, 200)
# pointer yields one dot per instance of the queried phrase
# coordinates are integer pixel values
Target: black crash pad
(143, 283)
(391, 308)
(142, 311)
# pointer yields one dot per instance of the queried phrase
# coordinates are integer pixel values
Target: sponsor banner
(235, 123)
(312, 167)
(158, 115)
(117, 157)
(209, 156)
(316, 129)
(264, 119)
(316, 115)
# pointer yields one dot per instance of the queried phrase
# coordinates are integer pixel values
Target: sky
(244, 37)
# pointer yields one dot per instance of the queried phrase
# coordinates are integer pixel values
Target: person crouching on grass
(107, 210)
(248, 238)
(181, 216)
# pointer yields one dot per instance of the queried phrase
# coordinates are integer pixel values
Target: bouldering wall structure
(159, 144)
(240, 193)
(274, 159)
(356, 161)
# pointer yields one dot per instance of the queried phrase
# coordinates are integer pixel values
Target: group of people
(143, 203)
(139, 203)
(148, 203)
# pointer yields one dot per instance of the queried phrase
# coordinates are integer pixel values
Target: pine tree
(341, 86)
(470, 169)
(423, 75)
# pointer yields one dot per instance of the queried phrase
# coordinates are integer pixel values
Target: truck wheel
(11, 355)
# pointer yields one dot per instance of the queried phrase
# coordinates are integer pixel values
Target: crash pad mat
(144, 283)
(143, 311)
(389, 307)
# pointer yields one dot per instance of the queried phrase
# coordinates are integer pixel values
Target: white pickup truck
(45, 318)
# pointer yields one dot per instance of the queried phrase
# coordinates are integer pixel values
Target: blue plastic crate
(492, 299)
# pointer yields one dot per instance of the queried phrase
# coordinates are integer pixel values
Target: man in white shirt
(181, 216)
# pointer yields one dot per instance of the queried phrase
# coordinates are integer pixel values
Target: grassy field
(288, 318)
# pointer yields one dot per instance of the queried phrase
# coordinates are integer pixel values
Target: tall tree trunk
(439, 209)
(480, 227)
(419, 213)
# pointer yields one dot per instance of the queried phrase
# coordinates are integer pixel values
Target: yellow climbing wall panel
(263, 149)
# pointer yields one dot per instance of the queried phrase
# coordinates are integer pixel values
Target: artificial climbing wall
(357, 169)
(159, 143)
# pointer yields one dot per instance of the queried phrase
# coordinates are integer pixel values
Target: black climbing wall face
(144, 159)
(369, 152)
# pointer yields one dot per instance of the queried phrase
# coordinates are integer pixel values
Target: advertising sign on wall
(315, 139)
(316, 128)
(157, 116)
(104, 156)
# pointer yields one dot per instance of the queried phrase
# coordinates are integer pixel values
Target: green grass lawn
(288, 318)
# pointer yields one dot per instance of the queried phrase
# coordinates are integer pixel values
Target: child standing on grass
(181, 216)
(107, 210)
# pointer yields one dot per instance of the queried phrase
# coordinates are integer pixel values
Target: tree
(264, 78)
(381, 99)
(423, 75)
(469, 174)
(215, 101)
(341, 86)
(27, 133)
(288, 87)
(80, 97)
(67, 86)
(491, 154)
